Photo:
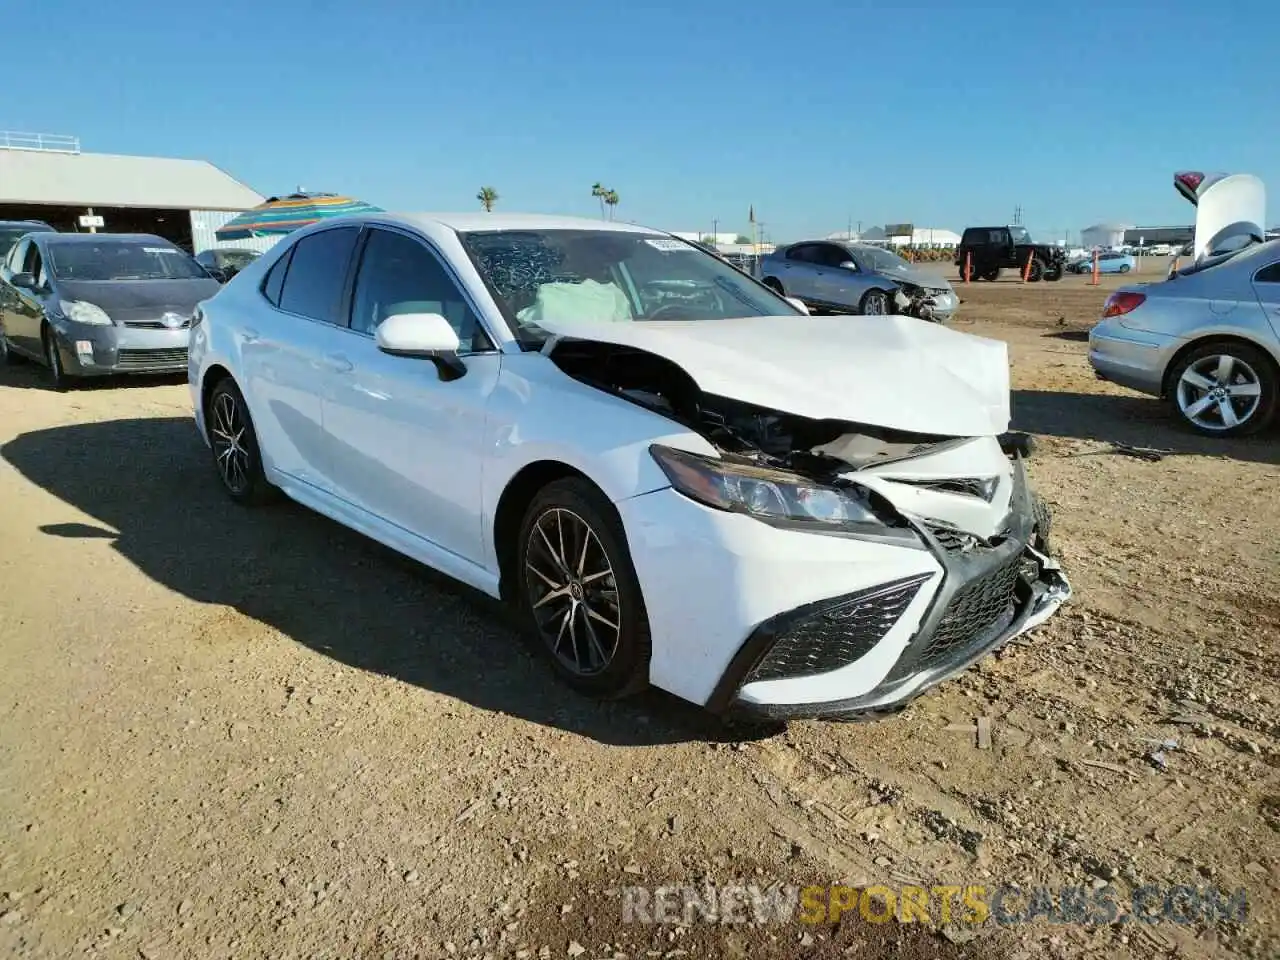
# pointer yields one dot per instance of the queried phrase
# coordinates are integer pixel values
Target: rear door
(288, 347)
(1266, 283)
(799, 277)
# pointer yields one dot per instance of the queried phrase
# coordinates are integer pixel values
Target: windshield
(122, 260)
(879, 260)
(610, 275)
(235, 258)
(11, 235)
(1020, 234)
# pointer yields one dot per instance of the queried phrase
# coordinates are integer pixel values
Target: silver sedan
(1207, 339)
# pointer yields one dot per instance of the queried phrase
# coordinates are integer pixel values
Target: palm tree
(611, 200)
(598, 191)
(487, 197)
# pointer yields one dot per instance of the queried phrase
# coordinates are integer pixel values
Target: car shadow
(25, 375)
(318, 583)
(1138, 422)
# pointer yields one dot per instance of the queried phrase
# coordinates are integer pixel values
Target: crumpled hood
(928, 279)
(894, 372)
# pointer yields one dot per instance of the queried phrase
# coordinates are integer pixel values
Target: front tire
(53, 361)
(875, 303)
(1035, 273)
(1053, 274)
(992, 274)
(1224, 389)
(578, 591)
(1124, 268)
(234, 443)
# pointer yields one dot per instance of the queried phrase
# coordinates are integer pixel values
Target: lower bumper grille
(979, 608)
(145, 360)
(836, 633)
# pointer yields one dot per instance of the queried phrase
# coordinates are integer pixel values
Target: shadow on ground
(150, 486)
(1135, 421)
(22, 374)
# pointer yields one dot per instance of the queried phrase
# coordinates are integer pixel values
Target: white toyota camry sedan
(677, 476)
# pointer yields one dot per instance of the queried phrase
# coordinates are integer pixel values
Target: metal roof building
(48, 178)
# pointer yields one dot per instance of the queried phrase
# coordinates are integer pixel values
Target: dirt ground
(234, 734)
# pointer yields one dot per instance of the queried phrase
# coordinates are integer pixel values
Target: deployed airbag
(572, 302)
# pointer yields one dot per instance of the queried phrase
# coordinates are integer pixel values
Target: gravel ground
(255, 734)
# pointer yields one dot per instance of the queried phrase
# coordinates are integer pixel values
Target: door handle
(336, 362)
(250, 335)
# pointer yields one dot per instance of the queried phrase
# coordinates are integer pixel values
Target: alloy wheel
(1219, 392)
(875, 305)
(228, 433)
(573, 592)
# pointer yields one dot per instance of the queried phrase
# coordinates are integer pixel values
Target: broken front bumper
(987, 596)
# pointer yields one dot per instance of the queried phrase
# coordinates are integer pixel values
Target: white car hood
(1226, 205)
(895, 372)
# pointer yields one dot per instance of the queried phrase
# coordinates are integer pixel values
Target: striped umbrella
(286, 214)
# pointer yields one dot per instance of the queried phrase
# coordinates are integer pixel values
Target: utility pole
(1017, 215)
(859, 229)
(715, 231)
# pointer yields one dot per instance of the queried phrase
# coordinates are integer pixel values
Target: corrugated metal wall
(205, 222)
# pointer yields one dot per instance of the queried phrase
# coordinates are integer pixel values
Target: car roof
(36, 225)
(467, 222)
(97, 237)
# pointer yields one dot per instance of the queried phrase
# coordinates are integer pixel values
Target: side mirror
(798, 304)
(23, 281)
(425, 335)
(849, 265)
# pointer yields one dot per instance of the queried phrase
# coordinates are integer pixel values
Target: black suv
(994, 248)
(11, 231)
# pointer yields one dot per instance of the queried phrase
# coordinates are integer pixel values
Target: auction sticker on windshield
(666, 245)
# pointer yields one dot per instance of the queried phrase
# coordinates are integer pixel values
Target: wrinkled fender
(538, 413)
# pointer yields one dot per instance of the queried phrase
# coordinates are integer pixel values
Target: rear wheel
(579, 594)
(235, 446)
(1225, 389)
(875, 303)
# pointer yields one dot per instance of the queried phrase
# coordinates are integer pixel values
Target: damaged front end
(964, 500)
(934, 304)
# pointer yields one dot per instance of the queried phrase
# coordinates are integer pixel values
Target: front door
(287, 350)
(24, 309)
(405, 444)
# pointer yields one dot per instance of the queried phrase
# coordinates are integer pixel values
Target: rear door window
(317, 274)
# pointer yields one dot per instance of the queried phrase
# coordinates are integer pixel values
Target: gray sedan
(93, 304)
(1207, 339)
(857, 278)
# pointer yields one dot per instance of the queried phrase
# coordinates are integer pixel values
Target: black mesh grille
(979, 606)
(837, 633)
(151, 359)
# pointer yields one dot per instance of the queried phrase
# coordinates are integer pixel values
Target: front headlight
(772, 495)
(82, 311)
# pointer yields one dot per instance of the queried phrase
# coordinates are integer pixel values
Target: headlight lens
(766, 494)
(82, 311)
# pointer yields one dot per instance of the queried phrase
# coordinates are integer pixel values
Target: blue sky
(939, 113)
